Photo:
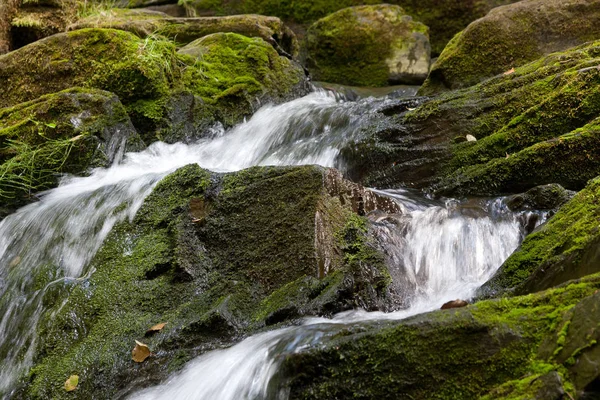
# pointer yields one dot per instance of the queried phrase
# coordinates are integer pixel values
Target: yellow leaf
(71, 383)
(510, 71)
(140, 352)
(155, 328)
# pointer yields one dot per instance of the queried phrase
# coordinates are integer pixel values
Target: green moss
(65, 132)
(215, 256)
(510, 37)
(490, 347)
(230, 71)
(445, 19)
(147, 74)
(562, 249)
(522, 122)
(352, 46)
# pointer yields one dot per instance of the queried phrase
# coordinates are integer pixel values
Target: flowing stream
(440, 250)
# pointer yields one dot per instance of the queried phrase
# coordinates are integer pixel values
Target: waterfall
(46, 246)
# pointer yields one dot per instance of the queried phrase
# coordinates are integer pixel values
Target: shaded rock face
(523, 122)
(144, 22)
(545, 197)
(511, 348)
(368, 46)
(511, 36)
(24, 22)
(215, 257)
(64, 132)
(150, 77)
(564, 248)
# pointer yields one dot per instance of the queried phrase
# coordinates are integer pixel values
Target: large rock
(522, 122)
(368, 46)
(64, 132)
(564, 248)
(216, 257)
(445, 18)
(236, 74)
(512, 36)
(157, 85)
(185, 30)
(541, 346)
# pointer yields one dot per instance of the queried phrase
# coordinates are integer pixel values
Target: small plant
(33, 168)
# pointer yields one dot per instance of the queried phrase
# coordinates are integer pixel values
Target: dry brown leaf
(155, 328)
(140, 352)
(71, 383)
(510, 71)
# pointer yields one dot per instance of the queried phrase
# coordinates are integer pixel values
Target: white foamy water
(439, 253)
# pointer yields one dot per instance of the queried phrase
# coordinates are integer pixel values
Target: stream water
(439, 250)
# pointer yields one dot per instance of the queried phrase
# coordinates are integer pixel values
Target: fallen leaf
(71, 383)
(140, 352)
(15, 262)
(155, 328)
(510, 71)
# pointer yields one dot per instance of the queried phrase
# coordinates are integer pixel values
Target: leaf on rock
(71, 383)
(155, 328)
(140, 352)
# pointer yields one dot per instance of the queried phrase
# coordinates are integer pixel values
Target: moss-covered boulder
(368, 46)
(522, 124)
(145, 22)
(168, 95)
(511, 36)
(541, 346)
(215, 257)
(139, 72)
(445, 18)
(64, 132)
(235, 74)
(564, 248)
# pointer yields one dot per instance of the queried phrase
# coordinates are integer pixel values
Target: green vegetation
(523, 122)
(496, 347)
(149, 76)
(363, 46)
(59, 133)
(563, 249)
(510, 37)
(444, 18)
(214, 256)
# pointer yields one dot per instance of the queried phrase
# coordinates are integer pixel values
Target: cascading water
(440, 252)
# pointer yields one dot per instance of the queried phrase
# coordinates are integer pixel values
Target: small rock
(471, 138)
(454, 304)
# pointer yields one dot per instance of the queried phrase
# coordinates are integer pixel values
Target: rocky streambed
(186, 216)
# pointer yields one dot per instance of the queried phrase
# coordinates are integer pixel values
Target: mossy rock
(564, 248)
(511, 36)
(153, 81)
(445, 18)
(368, 46)
(235, 74)
(116, 61)
(522, 122)
(185, 30)
(495, 349)
(215, 257)
(64, 132)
